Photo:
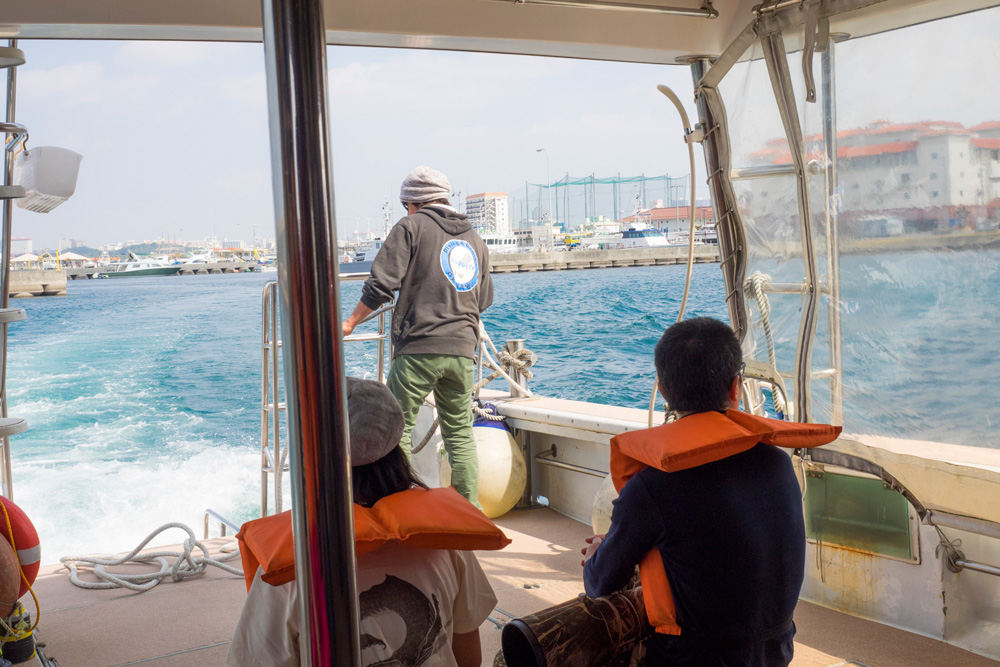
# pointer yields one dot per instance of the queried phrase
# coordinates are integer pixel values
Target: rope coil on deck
(184, 566)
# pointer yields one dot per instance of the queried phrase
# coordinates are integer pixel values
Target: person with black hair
(709, 511)
(420, 605)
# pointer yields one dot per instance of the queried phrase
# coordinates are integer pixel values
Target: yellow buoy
(10, 578)
(502, 473)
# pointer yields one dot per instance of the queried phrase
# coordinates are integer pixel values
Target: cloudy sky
(175, 137)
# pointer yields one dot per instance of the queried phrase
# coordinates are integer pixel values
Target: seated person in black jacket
(730, 533)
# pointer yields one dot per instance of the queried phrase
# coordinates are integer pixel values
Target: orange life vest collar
(692, 441)
(706, 437)
(416, 518)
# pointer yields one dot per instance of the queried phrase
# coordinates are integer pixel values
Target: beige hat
(376, 420)
(424, 184)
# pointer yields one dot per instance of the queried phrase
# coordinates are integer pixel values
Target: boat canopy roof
(499, 26)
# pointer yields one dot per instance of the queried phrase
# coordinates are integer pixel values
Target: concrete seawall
(37, 282)
(526, 262)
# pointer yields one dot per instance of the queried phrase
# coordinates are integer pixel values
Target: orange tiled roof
(876, 149)
(988, 125)
(991, 144)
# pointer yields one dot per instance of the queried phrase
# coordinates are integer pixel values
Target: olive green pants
(411, 378)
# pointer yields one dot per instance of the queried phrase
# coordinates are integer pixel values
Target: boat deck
(191, 622)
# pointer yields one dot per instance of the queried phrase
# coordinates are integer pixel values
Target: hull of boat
(138, 273)
(566, 445)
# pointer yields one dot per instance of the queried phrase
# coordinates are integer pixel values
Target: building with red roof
(894, 177)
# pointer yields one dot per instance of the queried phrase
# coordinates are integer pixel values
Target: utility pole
(548, 183)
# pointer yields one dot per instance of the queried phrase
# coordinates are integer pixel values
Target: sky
(176, 144)
(175, 138)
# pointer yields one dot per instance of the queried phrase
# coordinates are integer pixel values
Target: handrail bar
(210, 513)
(543, 459)
(380, 311)
(967, 524)
(273, 451)
(763, 171)
(978, 567)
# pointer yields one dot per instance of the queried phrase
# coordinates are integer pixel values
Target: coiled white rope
(756, 284)
(184, 566)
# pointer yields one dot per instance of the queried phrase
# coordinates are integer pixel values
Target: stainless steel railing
(274, 455)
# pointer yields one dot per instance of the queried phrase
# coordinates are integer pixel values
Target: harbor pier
(37, 282)
(185, 269)
(528, 262)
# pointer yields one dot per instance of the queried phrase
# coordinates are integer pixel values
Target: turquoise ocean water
(143, 395)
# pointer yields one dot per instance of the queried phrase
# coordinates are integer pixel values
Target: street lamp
(548, 181)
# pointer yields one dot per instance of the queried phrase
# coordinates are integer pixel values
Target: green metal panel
(857, 512)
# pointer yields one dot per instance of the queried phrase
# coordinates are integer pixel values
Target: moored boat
(136, 268)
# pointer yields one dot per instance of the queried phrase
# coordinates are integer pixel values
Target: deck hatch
(859, 513)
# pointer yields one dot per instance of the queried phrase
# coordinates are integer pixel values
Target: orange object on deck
(416, 518)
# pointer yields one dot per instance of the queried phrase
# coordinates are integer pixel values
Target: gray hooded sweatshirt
(441, 269)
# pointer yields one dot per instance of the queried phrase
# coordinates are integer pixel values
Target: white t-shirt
(411, 602)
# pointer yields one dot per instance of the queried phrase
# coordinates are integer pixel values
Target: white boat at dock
(502, 244)
(136, 267)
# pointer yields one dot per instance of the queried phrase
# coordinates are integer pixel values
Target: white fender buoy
(600, 513)
(502, 473)
(10, 579)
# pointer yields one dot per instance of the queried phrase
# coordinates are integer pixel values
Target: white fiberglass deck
(191, 623)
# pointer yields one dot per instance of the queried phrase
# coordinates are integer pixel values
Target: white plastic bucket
(48, 175)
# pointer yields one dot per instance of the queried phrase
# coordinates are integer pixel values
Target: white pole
(548, 181)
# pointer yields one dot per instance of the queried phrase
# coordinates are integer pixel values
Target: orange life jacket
(418, 518)
(695, 440)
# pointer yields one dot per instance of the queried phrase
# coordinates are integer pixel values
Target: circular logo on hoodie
(460, 264)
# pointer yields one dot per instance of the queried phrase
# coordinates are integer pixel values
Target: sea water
(143, 395)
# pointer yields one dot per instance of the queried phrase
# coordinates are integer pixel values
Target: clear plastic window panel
(915, 208)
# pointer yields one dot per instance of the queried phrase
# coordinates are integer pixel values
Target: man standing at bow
(440, 267)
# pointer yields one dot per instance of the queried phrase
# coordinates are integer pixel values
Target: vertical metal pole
(616, 193)
(277, 466)
(8, 215)
(295, 56)
(8, 212)
(513, 346)
(832, 230)
(732, 246)
(784, 95)
(265, 414)
(381, 347)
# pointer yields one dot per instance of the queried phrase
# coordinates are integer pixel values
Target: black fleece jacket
(441, 269)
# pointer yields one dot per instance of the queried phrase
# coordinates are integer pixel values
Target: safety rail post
(273, 455)
(11, 58)
(512, 347)
(272, 461)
